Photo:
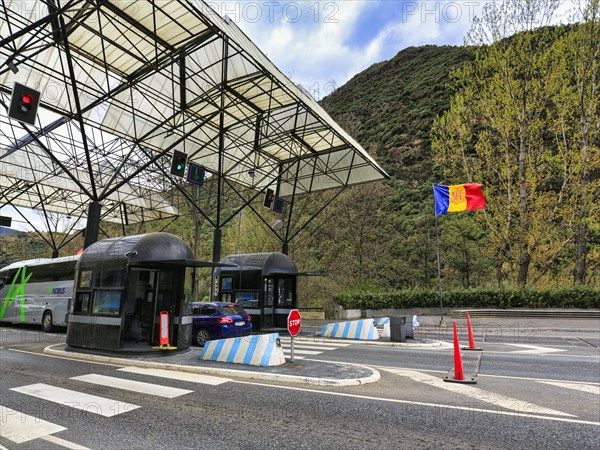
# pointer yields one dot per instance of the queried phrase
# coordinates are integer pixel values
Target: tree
(584, 46)
(495, 131)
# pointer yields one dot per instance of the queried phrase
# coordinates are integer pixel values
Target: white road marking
(302, 348)
(308, 346)
(508, 377)
(299, 350)
(516, 415)
(78, 400)
(63, 443)
(479, 394)
(67, 358)
(535, 349)
(318, 343)
(177, 375)
(19, 427)
(132, 385)
(590, 389)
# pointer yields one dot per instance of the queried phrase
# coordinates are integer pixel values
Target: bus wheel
(47, 322)
(201, 337)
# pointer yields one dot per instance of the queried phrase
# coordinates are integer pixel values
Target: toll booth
(121, 287)
(264, 284)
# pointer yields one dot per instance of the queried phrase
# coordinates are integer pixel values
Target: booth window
(107, 302)
(285, 292)
(82, 303)
(188, 290)
(227, 283)
(250, 280)
(85, 279)
(111, 278)
(247, 299)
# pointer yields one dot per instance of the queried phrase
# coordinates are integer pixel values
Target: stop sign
(293, 322)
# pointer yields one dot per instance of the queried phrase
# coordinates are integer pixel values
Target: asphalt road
(545, 395)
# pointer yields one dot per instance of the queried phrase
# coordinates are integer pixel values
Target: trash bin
(401, 327)
(398, 329)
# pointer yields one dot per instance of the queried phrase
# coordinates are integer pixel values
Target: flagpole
(437, 248)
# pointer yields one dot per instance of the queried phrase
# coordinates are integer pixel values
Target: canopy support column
(93, 224)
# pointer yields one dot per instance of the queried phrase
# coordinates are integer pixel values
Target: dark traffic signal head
(278, 205)
(178, 163)
(24, 104)
(268, 198)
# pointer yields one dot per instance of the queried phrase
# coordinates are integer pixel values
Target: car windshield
(232, 310)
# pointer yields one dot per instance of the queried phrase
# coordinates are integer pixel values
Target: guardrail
(529, 313)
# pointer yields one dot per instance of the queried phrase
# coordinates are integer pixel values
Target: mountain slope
(389, 108)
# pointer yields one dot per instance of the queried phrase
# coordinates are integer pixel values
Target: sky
(322, 44)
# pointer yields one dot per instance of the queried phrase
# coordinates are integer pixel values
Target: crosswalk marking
(308, 349)
(309, 346)
(78, 400)
(588, 388)
(132, 385)
(299, 350)
(63, 443)
(175, 375)
(19, 427)
(479, 394)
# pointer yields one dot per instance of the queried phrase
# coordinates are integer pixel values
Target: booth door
(285, 300)
(268, 304)
(167, 297)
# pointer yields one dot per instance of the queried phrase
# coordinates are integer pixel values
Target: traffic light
(178, 163)
(268, 198)
(278, 205)
(5, 221)
(24, 104)
(196, 174)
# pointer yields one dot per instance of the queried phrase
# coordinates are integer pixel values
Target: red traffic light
(26, 102)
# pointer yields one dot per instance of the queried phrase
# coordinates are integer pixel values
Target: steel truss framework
(124, 83)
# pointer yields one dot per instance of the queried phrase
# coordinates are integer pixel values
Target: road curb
(245, 374)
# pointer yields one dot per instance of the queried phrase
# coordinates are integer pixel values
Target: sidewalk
(311, 372)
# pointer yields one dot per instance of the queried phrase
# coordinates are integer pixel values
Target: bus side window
(9, 276)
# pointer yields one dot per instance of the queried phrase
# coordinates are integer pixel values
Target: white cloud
(309, 42)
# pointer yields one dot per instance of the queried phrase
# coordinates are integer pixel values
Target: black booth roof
(140, 250)
(267, 263)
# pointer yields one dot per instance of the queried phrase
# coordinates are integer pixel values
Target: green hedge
(471, 298)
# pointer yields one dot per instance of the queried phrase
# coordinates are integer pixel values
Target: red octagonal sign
(293, 322)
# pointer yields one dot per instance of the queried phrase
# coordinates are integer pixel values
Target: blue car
(219, 321)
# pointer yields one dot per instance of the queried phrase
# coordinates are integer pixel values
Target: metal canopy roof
(129, 82)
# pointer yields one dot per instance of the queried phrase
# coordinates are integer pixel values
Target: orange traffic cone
(471, 339)
(458, 376)
(458, 368)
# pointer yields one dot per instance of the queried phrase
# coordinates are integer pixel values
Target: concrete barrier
(380, 321)
(355, 329)
(256, 350)
(386, 330)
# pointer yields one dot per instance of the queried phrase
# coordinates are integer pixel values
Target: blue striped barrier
(380, 321)
(355, 329)
(386, 330)
(256, 350)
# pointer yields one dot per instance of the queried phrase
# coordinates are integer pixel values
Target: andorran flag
(460, 197)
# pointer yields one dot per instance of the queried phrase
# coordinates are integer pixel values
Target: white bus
(37, 291)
